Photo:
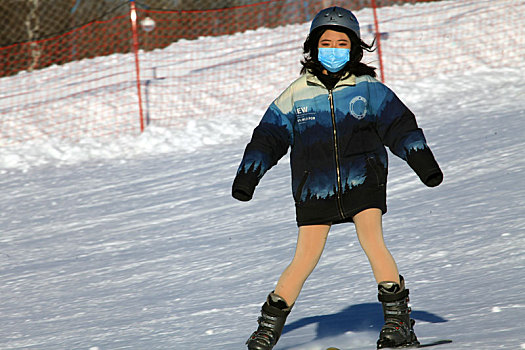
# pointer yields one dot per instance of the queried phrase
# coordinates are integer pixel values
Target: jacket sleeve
(269, 143)
(398, 129)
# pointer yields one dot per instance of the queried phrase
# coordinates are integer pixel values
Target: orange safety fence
(103, 79)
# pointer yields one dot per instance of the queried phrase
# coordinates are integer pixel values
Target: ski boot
(398, 331)
(271, 322)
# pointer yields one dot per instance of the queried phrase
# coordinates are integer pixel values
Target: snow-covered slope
(147, 250)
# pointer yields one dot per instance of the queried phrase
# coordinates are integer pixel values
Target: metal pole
(378, 39)
(133, 17)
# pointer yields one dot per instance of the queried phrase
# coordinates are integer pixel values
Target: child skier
(337, 119)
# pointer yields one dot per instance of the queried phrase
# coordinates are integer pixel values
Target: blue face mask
(333, 59)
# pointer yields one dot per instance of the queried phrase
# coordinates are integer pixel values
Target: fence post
(133, 17)
(33, 34)
(378, 40)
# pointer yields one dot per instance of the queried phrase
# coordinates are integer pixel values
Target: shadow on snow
(366, 317)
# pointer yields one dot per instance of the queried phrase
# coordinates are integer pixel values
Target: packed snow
(137, 244)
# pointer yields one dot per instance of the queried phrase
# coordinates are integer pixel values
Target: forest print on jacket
(338, 158)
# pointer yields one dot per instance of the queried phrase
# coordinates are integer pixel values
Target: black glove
(244, 186)
(241, 194)
(434, 179)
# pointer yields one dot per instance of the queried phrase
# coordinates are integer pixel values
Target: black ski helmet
(336, 16)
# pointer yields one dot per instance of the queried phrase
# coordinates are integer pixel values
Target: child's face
(333, 39)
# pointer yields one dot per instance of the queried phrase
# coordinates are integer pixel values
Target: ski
(437, 342)
(423, 345)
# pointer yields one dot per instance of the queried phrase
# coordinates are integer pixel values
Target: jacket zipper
(336, 151)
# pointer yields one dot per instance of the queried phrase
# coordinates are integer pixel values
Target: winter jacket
(338, 159)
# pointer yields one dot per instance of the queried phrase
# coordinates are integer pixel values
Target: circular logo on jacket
(358, 107)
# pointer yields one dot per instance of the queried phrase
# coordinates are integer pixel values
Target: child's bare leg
(368, 224)
(310, 244)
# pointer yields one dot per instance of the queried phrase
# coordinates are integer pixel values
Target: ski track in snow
(150, 251)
